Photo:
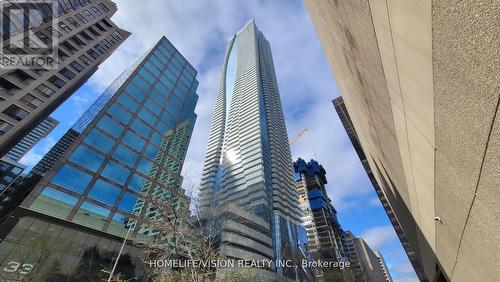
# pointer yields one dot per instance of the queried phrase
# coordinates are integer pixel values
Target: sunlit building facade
(248, 161)
(127, 148)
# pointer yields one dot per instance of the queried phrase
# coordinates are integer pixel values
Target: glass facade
(131, 146)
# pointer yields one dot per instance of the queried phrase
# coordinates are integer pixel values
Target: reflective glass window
(128, 102)
(136, 183)
(174, 111)
(99, 141)
(124, 154)
(162, 90)
(91, 215)
(127, 202)
(151, 151)
(147, 116)
(162, 127)
(119, 113)
(169, 83)
(104, 192)
(95, 209)
(141, 128)
(156, 139)
(168, 118)
(72, 178)
(141, 84)
(145, 166)
(135, 92)
(54, 202)
(147, 76)
(59, 196)
(111, 126)
(87, 158)
(153, 106)
(134, 141)
(115, 172)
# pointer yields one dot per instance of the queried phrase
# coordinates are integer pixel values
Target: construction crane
(298, 136)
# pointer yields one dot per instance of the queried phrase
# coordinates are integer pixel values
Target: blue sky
(199, 30)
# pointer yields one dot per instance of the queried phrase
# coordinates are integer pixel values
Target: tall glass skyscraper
(248, 162)
(129, 145)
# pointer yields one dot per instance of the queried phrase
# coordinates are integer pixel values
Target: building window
(44, 90)
(57, 82)
(21, 75)
(4, 127)
(6, 86)
(87, 158)
(69, 47)
(44, 38)
(84, 59)
(93, 54)
(15, 112)
(81, 18)
(73, 22)
(85, 35)
(64, 27)
(88, 15)
(94, 32)
(78, 41)
(96, 11)
(67, 73)
(125, 155)
(128, 202)
(76, 66)
(100, 48)
(62, 55)
(104, 192)
(134, 141)
(115, 172)
(99, 141)
(106, 22)
(31, 101)
(110, 126)
(72, 178)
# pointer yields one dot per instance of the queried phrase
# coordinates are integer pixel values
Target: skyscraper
(325, 235)
(34, 136)
(82, 36)
(421, 88)
(127, 148)
(365, 262)
(248, 161)
(384, 267)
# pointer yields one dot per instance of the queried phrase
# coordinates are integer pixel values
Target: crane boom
(298, 136)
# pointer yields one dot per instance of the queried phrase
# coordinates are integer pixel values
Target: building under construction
(324, 233)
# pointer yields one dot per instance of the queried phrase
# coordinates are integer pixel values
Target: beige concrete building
(420, 81)
(81, 35)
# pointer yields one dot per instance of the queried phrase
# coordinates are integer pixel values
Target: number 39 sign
(15, 266)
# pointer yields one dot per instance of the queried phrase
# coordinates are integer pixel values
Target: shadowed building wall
(420, 82)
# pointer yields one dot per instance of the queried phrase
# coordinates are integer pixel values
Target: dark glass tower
(130, 145)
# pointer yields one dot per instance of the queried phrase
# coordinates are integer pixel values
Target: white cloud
(33, 156)
(379, 236)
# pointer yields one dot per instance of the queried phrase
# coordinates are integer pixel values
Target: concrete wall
(372, 270)
(419, 81)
